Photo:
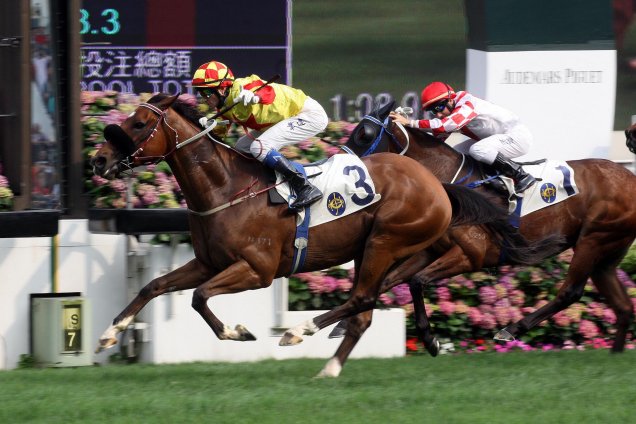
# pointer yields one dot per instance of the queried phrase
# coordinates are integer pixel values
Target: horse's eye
(139, 125)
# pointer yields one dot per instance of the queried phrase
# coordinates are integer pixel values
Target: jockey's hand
(399, 118)
(205, 124)
(247, 97)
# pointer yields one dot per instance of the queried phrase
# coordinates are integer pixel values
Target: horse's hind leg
(356, 326)
(617, 298)
(185, 277)
(571, 291)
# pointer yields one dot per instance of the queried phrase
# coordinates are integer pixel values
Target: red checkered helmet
(212, 75)
(434, 92)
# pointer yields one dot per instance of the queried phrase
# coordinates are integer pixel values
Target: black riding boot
(306, 192)
(522, 179)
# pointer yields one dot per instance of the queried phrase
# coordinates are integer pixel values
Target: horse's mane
(191, 113)
(425, 135)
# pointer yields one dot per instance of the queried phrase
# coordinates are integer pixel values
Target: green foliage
(629, 262)
(26, 361)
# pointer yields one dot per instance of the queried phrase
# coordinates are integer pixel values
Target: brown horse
(599, 224)
(630, 135)
(245, 247)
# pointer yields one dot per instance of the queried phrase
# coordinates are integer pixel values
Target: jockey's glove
(206, 124)
(247, 97)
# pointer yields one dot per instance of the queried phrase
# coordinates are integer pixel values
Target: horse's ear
(168, 101)
(383, 112)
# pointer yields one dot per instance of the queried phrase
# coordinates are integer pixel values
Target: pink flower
(488, 322)
(443, 293)
(402, 294)
(446, 307)
(502, 315)
(588, 329)
(488, 295)
(595, 309)
(386, 299)
(561, 319)
(609, 316)
(475, 316)
(344, 284)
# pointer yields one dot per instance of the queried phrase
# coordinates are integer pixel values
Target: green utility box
(60, 330)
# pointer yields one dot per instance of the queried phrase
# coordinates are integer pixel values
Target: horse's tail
(472, 208)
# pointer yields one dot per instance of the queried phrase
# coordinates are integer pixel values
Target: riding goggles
(206, 92)
(438, 107)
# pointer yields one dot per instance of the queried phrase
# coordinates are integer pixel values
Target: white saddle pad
(346, 185)
(557, 184)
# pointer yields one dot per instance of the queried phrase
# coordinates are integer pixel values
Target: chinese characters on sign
(136, 70)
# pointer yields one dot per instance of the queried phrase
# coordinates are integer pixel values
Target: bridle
(136, 158)
(384, 128)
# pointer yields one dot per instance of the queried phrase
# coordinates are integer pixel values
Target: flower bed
(467, 310)
(6, 195)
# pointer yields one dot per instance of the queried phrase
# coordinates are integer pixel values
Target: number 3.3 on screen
(108, 23)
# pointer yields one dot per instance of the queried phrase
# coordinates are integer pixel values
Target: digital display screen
(156, 45)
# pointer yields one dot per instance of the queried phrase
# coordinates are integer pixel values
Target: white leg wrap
(112, 331)
(332, 368)
(306, 328)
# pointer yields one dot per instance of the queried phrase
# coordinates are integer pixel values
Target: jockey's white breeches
(311, 119)
(514, 143)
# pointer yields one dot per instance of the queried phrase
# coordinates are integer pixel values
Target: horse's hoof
(433, 347)
(331, 370)
(105, 344)
(244, 334)
(338, 331)
(290, 339)
(504, 336)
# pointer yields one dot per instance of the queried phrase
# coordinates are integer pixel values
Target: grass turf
(518, 387)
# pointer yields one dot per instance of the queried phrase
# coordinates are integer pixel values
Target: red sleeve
(266, 94)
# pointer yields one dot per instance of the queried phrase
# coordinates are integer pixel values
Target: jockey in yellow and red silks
(277, 115)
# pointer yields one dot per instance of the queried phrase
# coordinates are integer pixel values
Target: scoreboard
(156, 45)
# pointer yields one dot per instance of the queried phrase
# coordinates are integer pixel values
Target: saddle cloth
(345, 183)
(557, 184)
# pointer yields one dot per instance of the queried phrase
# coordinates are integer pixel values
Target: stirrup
(524, 183)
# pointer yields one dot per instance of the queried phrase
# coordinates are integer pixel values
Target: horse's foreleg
(356, 326)
(397, 276)
(185, 277)
(238, 277)
(422, 325)
(618, 299)
(363, 298)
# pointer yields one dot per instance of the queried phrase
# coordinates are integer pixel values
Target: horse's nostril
(98, 162)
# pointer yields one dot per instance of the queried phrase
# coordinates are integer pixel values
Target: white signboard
(566, 98)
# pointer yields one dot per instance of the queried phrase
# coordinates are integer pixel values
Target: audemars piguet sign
(553, 63)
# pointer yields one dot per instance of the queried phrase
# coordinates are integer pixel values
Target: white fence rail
(108, 270)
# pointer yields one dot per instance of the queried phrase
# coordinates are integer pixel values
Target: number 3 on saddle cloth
(347, 188)
(555, 183)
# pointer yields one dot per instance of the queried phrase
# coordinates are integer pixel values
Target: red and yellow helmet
(434, 92)
(212, 75)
